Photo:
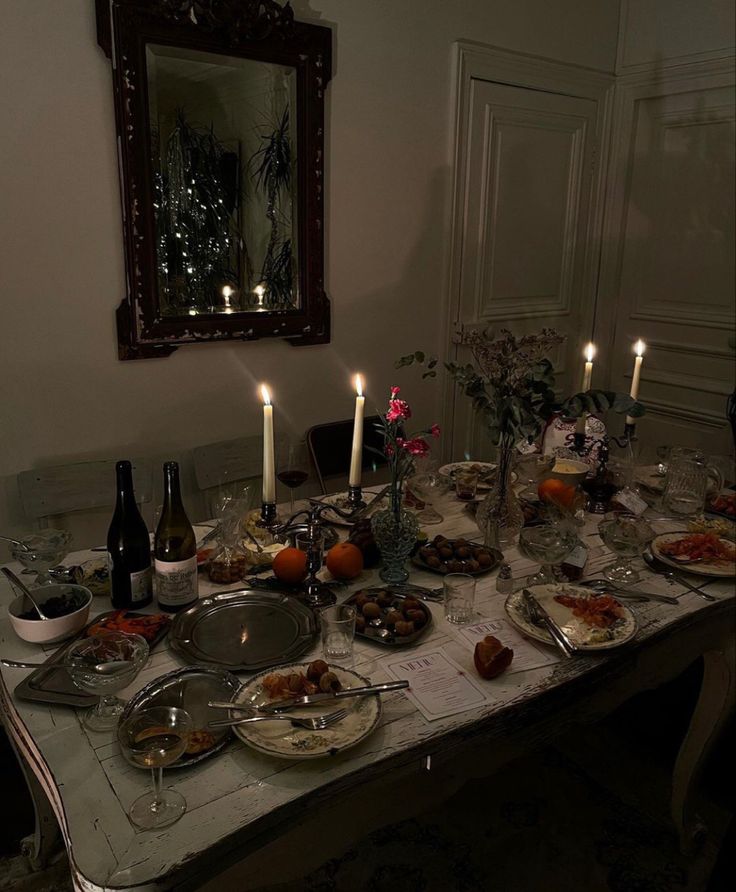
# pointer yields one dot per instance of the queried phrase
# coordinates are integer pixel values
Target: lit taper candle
(269, 473)
(587, 378)
(356, 456)
(639, 348)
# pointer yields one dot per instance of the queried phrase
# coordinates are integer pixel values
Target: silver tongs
(540, 617)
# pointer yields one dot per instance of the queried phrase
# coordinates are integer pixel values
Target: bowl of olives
(388, 618)
(443, 555)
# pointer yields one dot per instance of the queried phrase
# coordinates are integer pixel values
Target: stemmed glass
(293, 465)
(428, 485)
(154, 738)
(547, 544)
(105, 664)
(531, 467)
(626, 535)
(41, 551)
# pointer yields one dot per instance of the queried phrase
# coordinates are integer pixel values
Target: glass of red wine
(293, 465)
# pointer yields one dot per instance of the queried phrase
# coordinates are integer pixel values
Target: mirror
(219, 110)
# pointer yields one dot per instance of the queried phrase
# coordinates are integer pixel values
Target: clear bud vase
(499, 515)
(395, 531)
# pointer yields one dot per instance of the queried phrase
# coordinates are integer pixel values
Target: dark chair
(330, 447)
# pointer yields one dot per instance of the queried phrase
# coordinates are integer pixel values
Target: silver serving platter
(244, 630)
(190, 689)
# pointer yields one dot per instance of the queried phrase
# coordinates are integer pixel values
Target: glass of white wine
(154, 738)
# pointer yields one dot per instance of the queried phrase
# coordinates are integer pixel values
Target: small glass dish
(43, 550)
(626, 535)
(548, 544)
(103, 665)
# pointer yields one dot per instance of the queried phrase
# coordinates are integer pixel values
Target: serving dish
(56, 628)
(465, 555)
(191, 689)
(724, 569)
(52, 685)
(586, 637)
(382, 629)
(340, 500)
(486, 471)
(280, 739)
(243, 630)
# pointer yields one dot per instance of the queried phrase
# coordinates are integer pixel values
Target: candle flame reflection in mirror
(640, 347)
(265, 395)
(359, 385)
(590, 352)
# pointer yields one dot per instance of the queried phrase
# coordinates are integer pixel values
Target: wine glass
(154, 738)
(531, 467)
(429, 486)
(626, 535)
(293, 465)
(105, 664)
(548, 544)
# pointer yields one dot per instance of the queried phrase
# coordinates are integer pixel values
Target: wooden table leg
(715, 700)
(46, 840)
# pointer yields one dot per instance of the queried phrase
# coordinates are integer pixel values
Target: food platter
(381, 630)
(340, 500)
(458, 562)
(191, 689)
(280, 739)
(46, 685)
(486, 472)
(243, 630)
(585, 637)
(723, 568)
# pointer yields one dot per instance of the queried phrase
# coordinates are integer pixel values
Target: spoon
(111, 668)
(15, 542)
(19, 585)
(658, 567)
(259, 547)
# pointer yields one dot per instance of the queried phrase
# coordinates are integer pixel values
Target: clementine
(290, 565)
(345, 560)
(556, 492)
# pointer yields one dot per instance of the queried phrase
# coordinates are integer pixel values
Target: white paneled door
(668, 265)
(526, 211)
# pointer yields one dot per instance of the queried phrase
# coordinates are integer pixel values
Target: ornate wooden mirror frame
(259, 30)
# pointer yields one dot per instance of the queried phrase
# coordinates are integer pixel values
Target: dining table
(243, 803)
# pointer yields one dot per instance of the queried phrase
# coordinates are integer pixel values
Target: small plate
(486, 471)
(495, 553)
(577, 631)
(370, 633)
(339, 498)
(286, 742)
(701, 568)
(190, 689)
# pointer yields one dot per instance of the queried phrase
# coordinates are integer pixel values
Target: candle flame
(640, 347)
(266, 395)
(359, 385)
(226, 291)
(590, 352)
(259, 290)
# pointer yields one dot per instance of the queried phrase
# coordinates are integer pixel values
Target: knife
(308, 699)
(364, 512)
(538, 612)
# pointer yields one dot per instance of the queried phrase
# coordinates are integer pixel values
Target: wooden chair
(82, 486)
(330, 447)
(229, 466)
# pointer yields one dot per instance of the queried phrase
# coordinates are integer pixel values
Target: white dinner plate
(585, 637)
(340, 499)
(278, 738)
(701, 568)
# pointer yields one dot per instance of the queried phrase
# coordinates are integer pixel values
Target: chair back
(330, 446)
(229, 466)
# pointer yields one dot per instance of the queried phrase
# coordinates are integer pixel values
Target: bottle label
(140, 586)
(176, 581)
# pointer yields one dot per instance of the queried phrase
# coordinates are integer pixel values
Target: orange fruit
(290, 565)
(556, 492)
(345, 560)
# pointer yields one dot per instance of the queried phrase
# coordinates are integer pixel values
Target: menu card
(438, 686)
(526, 654)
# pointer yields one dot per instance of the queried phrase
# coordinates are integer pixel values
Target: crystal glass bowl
(43, 550)
(626, 536)
(547, 544)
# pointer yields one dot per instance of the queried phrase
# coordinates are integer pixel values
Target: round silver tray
(244, 630)
(190, 689)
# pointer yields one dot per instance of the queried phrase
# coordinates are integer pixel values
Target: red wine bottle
(175, 548)
(128, 547)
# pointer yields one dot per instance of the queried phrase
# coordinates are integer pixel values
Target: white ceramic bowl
(38, 631)
(568, 471)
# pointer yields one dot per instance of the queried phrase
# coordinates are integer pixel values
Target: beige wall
(65, 396)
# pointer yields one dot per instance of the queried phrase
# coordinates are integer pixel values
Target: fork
(316, 724)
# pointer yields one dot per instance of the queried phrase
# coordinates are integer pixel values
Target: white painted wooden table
(241, 800)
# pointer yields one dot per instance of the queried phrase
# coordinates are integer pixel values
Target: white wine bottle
(128, 547)
(175, 548)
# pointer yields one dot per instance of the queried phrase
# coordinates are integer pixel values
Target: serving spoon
(14, 581)
(15, 542)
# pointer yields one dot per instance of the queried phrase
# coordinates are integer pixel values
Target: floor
(588, 814)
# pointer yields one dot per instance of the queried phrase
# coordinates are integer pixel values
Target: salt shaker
(504, 580)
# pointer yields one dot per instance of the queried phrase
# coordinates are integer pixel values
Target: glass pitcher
(688, 475)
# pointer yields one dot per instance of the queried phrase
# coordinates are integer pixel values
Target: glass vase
(395, 531)
(499, 515)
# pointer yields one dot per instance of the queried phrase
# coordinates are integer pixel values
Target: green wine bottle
(175, 548)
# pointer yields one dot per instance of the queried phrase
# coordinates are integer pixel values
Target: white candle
(269, 476)
(639, 348)
(356, 456)
(587, 378)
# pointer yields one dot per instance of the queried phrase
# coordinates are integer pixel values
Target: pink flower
(394, 392)
(398, 410)
(417, 446)
(435, 430)
(389, 450)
